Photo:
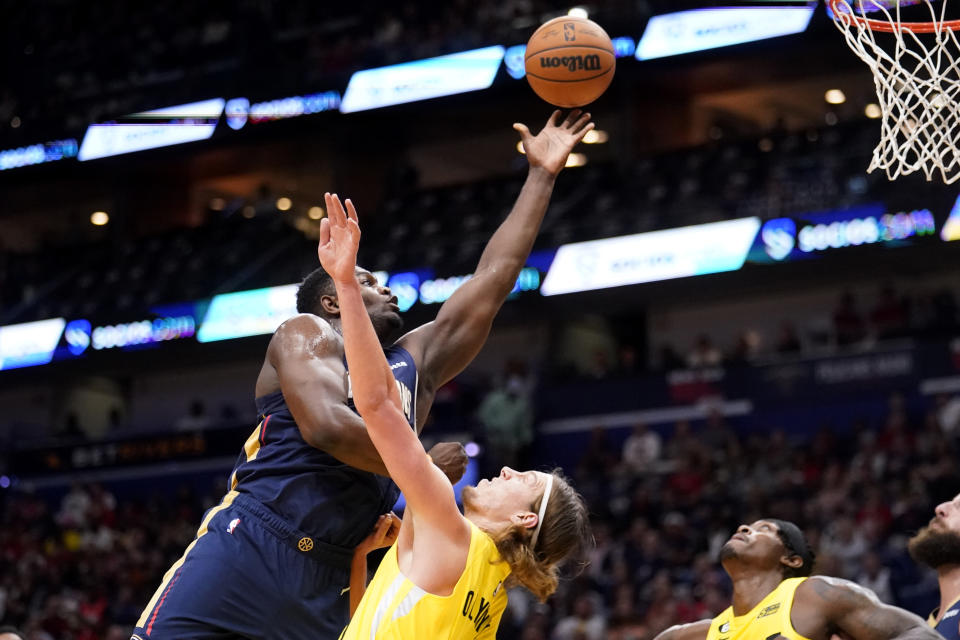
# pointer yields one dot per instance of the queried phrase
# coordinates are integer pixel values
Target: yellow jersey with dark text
(769, 620)
(393, 607)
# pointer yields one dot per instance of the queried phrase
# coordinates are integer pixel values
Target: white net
(916, 69)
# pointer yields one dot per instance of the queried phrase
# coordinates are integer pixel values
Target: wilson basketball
(570, 61)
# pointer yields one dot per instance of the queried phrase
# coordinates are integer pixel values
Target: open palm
(549, 148)
(339, 239)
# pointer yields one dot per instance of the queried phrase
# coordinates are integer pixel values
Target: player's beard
(727, 552)
(385, 324)
(468, 497)
(935, 547)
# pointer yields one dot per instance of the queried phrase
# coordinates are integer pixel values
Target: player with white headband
(447, 573)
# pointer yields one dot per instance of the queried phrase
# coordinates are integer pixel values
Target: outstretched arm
(384, 534)
(857, 613)
(444, 347)
(691, 631)
(427, 490)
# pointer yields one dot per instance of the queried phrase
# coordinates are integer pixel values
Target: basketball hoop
(916, 70)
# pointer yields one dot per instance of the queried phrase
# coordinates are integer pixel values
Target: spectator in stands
(876, 577)
(71, 427)
(196, 418)
(718, 439)
(507, 419)
(627, 364)
(848, 325)
(889, 314)
(787, 339)
(682, 443)
(844, 540)
(641, 451)
(745, 350)
(668, 359)
(598, 458)
(586, 623)
(704, 354)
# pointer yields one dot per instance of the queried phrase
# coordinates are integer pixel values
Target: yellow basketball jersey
(393, 607)
(769, 619)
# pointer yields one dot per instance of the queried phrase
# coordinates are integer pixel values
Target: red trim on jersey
(263, 429)
(153, 618)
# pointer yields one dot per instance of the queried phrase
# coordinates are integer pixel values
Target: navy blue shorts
(250, 575)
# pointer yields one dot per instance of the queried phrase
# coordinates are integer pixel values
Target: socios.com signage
(40, 153)
(143, 332)
(784, 238)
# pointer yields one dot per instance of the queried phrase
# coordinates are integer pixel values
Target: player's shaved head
(317, 284)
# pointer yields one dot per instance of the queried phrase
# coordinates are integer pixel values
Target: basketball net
(916, 70)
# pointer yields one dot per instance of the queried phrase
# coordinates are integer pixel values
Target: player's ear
(330, 305)
(526, 519)
(793, 561)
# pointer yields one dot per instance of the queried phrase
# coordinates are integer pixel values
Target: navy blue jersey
(308, 488)
(949, 625)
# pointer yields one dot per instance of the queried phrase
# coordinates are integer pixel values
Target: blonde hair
(564, 536)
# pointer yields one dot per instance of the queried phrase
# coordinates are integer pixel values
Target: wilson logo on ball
(573, 63)
(569, 61)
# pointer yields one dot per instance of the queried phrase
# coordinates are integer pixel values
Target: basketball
(569, 61)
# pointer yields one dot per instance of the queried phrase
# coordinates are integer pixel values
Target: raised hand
(384, 534)
(451, 458)
(549, 148)
(339, 239)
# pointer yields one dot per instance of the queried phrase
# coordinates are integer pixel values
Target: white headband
(543, 510)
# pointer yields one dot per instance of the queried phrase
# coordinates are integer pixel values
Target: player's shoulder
(303, 322)
(305, 333)
(690, 631)
(834, 592)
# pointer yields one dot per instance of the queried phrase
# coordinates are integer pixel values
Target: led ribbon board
(30, 343)
(951, 228)
(40, 153)
(422, 79)
(672, 34)
(248, 313)
(152, 129)
(808, 234)
(649, 257)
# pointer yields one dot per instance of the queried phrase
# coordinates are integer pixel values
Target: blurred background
(724, 316)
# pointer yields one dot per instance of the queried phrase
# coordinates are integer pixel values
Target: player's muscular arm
(306, 352)
(847, 609)
(444, 347)
(692, 631)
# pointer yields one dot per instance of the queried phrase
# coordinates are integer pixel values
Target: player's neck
(337, 325)
(751, 586)
(949, 578)
(480, 519)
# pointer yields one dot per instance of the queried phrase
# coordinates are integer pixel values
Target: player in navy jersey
(938, 546)
(272, 560)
